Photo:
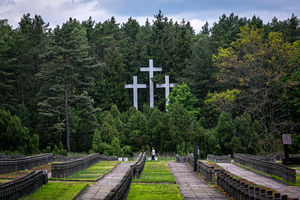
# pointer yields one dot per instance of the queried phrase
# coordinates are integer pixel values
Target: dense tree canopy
(63, 88)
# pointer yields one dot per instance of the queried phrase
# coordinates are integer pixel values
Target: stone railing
(181, 159)
(23, 186)
(219, 159)
(240, 190)
(276, 169)
(207, 171)
(121, 190)
(12, 165)
(61, 170)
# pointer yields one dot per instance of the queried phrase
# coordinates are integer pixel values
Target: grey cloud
(7, 2)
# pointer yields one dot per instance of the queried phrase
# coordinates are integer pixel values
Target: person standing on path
(153, 153)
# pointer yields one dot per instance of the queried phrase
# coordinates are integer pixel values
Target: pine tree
(225, 133)
(8, 80)
(68, 63)
(111, 87)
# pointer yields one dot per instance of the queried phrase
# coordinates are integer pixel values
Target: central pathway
(191, 187)
(292, 192)
(102, 188)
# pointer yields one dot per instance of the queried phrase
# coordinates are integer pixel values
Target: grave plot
(156, 171)
(92, 173)
(155, 182)
(17, 174)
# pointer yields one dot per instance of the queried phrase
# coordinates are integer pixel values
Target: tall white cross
(135, 87)
(151, 69)
(167, 87)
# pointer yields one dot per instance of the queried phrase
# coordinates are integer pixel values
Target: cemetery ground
(160, 179)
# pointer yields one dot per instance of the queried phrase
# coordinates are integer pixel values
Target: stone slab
(191, 186)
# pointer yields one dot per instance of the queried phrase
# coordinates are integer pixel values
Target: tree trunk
(67, 118)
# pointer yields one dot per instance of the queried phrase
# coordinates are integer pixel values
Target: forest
(62, 89)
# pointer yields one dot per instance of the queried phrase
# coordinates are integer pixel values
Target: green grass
(57, 191)
(92, 173)
(275, 177)
(149, 191)
(156, 171)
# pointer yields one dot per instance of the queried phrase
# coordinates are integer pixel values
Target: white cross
(151, 69)
(135, 87)
(167, 87)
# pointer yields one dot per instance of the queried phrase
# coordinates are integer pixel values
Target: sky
(56, 12)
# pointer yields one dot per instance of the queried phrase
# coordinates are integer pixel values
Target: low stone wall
(138, 166)
(294, 159)
(207, 171)
(240, 190)
(61, 170)
(219, 159)
(268, 158)
(12, 165)
(276, 169)
(122, 189)
(23, 186)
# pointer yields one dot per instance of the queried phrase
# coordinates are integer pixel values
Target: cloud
(197, 12)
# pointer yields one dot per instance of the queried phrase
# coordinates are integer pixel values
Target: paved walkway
(291, 191)
(191, 187)
(102, 188)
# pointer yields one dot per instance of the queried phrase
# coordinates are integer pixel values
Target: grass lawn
(92, 173)
(57, 191)
(150, 191)
(156, 171)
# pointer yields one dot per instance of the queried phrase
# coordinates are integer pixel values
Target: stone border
(12, 165)
(23, 186)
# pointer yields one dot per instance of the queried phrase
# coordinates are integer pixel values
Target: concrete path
(102, 188)
(291, 191)
(191, 187)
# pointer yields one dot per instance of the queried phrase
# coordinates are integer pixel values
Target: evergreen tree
(247, 135)
(67, 62)
(200, 73)
(8, 98)
(12, 132)
(136, 130)
(111, 86)
(181, 127)
(156, 129)
(224, 131)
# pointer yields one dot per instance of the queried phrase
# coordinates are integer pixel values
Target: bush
(47, 149)
(59, 150)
